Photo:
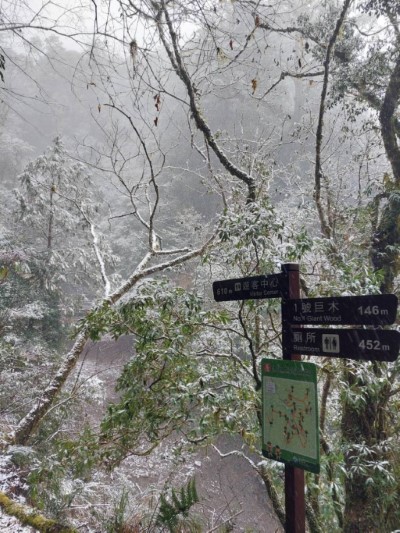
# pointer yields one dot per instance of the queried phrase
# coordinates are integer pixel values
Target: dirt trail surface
(229, 484)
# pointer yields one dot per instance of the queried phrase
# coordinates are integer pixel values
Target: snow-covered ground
(10, 481)
(8, 524)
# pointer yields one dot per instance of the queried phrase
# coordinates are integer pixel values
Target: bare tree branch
(325, 225)
(177, 64)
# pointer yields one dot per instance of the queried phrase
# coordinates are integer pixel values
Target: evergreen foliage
(210, 120)
(180, 502)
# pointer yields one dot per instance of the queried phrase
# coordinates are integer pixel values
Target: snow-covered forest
(149, 148)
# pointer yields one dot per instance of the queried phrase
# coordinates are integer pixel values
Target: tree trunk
(51, 219)
(367, 423)
(29, 423)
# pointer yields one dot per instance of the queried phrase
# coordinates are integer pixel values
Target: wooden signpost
(297, 340)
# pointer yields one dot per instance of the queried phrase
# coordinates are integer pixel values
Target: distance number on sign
(372, 310)
(373, 345)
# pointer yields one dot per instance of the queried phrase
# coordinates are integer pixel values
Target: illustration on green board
(290, 413)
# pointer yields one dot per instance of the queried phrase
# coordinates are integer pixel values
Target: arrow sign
(252, 288)
(373, 310)
(365, 344)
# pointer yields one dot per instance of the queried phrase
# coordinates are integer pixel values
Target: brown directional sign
(376, 310)
(252, 288)
(364, 344)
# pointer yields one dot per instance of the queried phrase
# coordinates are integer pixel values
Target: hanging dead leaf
(257, 21)
(231, 44)
(156, 122)
(254, 85)
(3, 273)
(221, 55)
(99, 107)
(133, 48)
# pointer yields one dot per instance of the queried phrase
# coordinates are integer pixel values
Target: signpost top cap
(286, 267)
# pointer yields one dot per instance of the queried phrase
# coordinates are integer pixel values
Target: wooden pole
(294, 477)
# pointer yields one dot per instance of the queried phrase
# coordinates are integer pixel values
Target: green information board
(290, 429)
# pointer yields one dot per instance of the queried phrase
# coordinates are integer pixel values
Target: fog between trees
(149, 148)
